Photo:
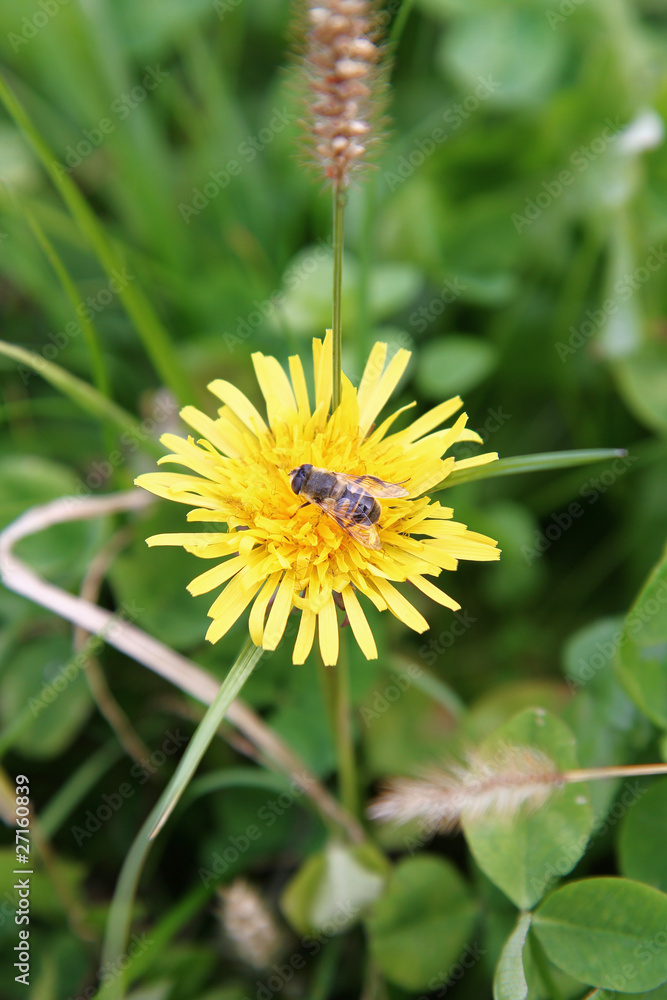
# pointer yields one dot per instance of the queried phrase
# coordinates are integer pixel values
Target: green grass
(511, 235)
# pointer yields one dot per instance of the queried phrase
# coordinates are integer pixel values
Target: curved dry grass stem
(116, 630)
(126, 735)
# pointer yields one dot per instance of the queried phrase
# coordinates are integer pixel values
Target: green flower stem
(336, 691)
(339, 200)
(349, 788)
(529, 463)
(120, 913)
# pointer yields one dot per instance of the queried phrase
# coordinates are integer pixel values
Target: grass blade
(98, 366)
(120, 915)
(530, 463)
(77, 786)
(153, 334)
(81, 393)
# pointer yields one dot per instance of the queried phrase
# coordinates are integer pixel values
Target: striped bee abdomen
(361, 506)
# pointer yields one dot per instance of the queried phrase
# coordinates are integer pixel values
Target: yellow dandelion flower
(278, 555)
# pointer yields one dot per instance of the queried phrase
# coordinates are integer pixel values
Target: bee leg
(301, 507)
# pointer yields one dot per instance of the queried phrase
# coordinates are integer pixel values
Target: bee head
(298, 477)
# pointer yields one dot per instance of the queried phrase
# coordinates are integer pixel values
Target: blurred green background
(512, 234)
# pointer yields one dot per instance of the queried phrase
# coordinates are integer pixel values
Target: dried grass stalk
(514, 777)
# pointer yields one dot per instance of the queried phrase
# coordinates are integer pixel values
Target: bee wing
(357, 525)
(373, 486)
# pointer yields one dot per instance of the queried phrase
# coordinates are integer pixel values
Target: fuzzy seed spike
(485, 786)
(342, 67)
(250, 925)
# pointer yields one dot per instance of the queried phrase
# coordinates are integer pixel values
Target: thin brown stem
(97, 682)
(622, 771)
(117, 631)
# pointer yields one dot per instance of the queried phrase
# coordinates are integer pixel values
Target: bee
(352, 501)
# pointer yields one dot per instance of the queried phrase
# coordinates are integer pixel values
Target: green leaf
(44, 697)
(641, 846)
(530, 463)
(81, 393)
(454, 364)
(307, 300)
(46, 897)
(423, 922)
(157, 583)
(120, 914)
(334, 887)
(642, 379)
(515, 578)
(608, 727)
(97, 359)
(504, 701)
(155, 337)
(659, 994)
(509, 982)
(512, 47)
(642, 653)
(77, 785)
(607, 932)
(63, 550)
(524, 853)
